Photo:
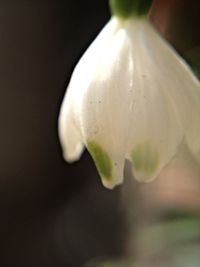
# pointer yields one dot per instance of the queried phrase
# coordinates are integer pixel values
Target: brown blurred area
(178, 21)
(52, 213)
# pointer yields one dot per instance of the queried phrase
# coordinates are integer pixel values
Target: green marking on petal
(101, 159)
(145, 158)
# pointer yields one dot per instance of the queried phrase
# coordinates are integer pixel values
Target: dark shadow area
(52, 213)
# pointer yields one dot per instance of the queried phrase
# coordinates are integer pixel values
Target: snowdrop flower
(131, 96)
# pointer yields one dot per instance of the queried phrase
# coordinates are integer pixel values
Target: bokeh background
(56, 214)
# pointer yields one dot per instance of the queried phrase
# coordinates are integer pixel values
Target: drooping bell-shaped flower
(131, 96)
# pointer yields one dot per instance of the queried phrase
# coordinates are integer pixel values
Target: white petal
(164, 100)
(193, 136)
(69, 122)
(103, 106)
(155, 133)
(156, 61)
(69, 134)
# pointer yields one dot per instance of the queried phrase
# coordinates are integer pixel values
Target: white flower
(131, 97)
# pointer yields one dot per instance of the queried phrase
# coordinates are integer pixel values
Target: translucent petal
(70, 128)
(155, 133)
(156, 61)
(104, 107)
(163, 103)
(85, 71)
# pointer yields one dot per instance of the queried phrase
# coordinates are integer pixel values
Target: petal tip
(143, 177)
(110, 168)
(112, 183)
(73, 155)
(146, 162)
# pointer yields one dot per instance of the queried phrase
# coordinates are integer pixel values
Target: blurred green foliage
(170, 243)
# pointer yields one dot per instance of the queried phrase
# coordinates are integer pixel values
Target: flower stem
(129, 8)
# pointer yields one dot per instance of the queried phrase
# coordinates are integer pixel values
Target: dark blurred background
(52, 213)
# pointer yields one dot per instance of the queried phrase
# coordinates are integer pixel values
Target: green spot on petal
(145, 158)
(101, 159)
